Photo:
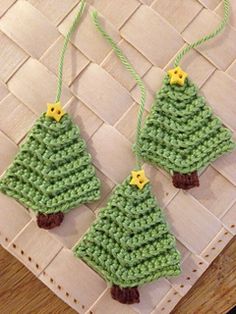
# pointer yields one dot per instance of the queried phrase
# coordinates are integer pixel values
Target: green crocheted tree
(181, 134)
(52, 171)
(130, 244)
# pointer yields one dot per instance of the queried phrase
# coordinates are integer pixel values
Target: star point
(177, 76)
(139, 179)
(55, 111)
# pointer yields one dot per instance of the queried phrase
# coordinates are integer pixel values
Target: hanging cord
(63, 51)
(137, 78)
(204, 39)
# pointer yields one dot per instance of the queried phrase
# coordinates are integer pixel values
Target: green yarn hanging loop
(63, 51)
(204, 39)
(137, 78)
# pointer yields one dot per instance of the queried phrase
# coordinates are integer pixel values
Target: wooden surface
(214, 292)
(22, 292)
(103, 100)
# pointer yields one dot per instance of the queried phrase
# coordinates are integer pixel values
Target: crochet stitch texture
(181, 134)
(52, 171)
(129, 244)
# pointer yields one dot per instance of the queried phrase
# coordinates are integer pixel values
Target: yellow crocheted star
(177, 76)
(139, 179)
(55, 111)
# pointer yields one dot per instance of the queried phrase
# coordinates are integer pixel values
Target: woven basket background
(103, 99)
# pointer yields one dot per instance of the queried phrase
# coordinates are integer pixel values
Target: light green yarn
(129, 244)
(52, 171)
(181, 134)
(136, 77)
(206, 38)
(63, 51)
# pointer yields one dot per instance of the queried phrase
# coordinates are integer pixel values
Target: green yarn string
(204, 39)
(63, 51)
(136, 77)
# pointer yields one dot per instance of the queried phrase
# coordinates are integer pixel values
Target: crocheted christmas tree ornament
(52, 171)
(130, 244)
(181, 134)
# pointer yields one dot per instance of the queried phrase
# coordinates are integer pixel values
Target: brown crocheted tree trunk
(185, 181)
(49, 221)
(125, 295)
